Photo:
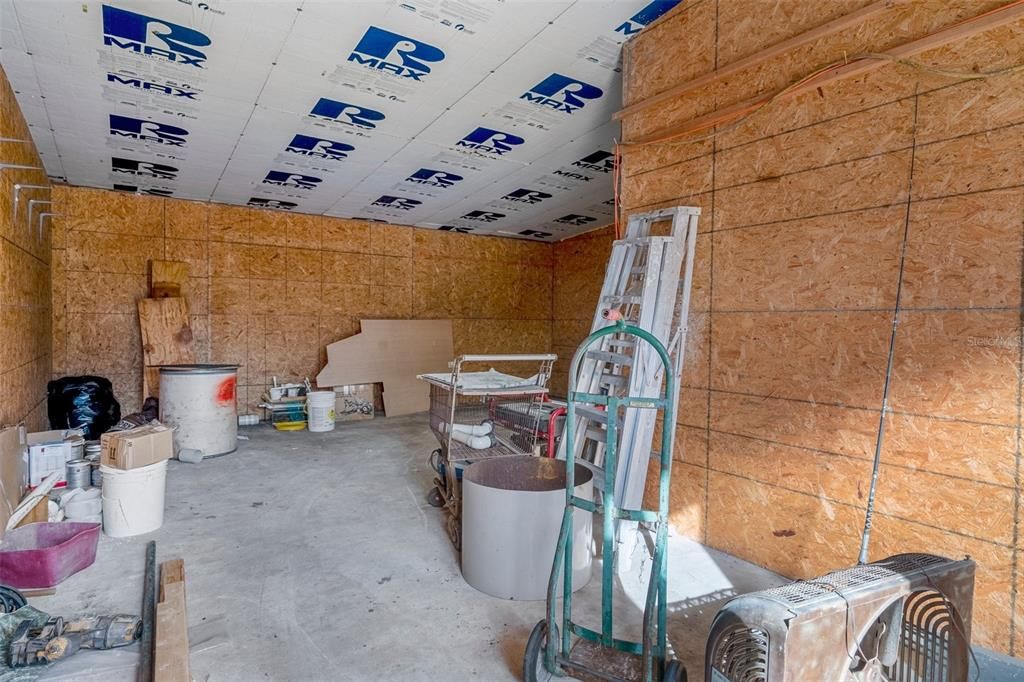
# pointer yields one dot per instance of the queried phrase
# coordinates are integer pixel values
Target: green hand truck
(550, 650)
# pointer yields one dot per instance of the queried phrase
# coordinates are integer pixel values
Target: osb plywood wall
(24, 276)
(269, 290)
(805, 209)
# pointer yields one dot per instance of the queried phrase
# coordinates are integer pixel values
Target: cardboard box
(47, 452)
(352, 403)
(137, 447)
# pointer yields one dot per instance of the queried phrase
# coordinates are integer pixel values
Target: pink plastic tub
(44, 554)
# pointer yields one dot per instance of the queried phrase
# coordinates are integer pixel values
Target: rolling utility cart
(558, 645)
(479, 415)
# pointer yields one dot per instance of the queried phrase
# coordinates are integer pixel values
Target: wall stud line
(1015, 561)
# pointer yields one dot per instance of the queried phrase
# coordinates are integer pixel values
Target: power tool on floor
(58, 638)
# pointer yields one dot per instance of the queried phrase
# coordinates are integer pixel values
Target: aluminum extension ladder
(642, 287)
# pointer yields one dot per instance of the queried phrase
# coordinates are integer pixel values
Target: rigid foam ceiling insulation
(481, 116)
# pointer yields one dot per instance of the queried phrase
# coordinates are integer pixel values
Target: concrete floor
(314, 557)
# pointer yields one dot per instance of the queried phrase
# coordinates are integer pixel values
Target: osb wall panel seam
(25, 335)
(808, 208)
(998, 481)
(269, 291)
(991, 524)
(931, 128)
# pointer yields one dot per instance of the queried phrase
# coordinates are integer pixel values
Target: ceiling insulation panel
(476, 116)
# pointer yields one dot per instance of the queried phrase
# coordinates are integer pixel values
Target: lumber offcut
(807, 37)
(170, 659)
(1005, 14)
(167, 278)
(166, 339)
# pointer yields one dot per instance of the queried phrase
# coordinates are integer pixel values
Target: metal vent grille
(741, 655)
(928, 627)
(858, 576)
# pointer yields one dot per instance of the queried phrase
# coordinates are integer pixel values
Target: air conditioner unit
(903, 619)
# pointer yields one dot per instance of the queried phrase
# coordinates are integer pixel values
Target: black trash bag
(85, 402)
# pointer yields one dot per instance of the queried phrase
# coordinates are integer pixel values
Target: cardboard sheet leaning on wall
(393, 352)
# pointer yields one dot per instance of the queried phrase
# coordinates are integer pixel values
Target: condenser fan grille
(741, 654)
(858, 576)
(928, 626)
(903, 619)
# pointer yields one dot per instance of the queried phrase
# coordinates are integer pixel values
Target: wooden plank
(166, 338)
(805, 38)
(964, 29)
(12, 472)
(167, 278)
(40, 512)
(171, 658)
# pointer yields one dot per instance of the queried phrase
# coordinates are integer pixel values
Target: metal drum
(199, 402)
(512, 511)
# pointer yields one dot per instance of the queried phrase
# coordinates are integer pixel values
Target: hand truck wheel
(435, 498)
(675, 671)
(455, 532)
(533, 657)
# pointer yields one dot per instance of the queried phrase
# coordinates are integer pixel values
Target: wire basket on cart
(481, 415)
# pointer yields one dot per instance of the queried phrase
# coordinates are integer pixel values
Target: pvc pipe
(475, 442)
(483, 429)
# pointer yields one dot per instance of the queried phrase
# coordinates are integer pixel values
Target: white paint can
(512, 511)
(320, 411)
(199, 402)
(133, 499)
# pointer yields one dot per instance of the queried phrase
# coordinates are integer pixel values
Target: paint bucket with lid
(133, 499)
(199, 402)
(320, 411)
(78, 473)
(77, 444)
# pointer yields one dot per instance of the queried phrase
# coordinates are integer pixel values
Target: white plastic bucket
(320, 411)
(133, 499)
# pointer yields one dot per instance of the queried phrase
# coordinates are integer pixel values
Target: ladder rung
(613, 380)
(621, 343)
(622, 299)
(592, 413)
(595, 434)
(608, 356)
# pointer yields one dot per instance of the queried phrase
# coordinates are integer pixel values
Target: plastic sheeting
(477, 381)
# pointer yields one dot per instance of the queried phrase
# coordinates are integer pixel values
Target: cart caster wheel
(533, 657)
(674, 672)
(435, 498)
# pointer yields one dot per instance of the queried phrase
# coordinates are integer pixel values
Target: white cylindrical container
(133, 499)
(199, 402)
(320, 411)
(512, 511)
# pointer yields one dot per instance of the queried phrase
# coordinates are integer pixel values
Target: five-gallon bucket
(320, 411)
(133, 499)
